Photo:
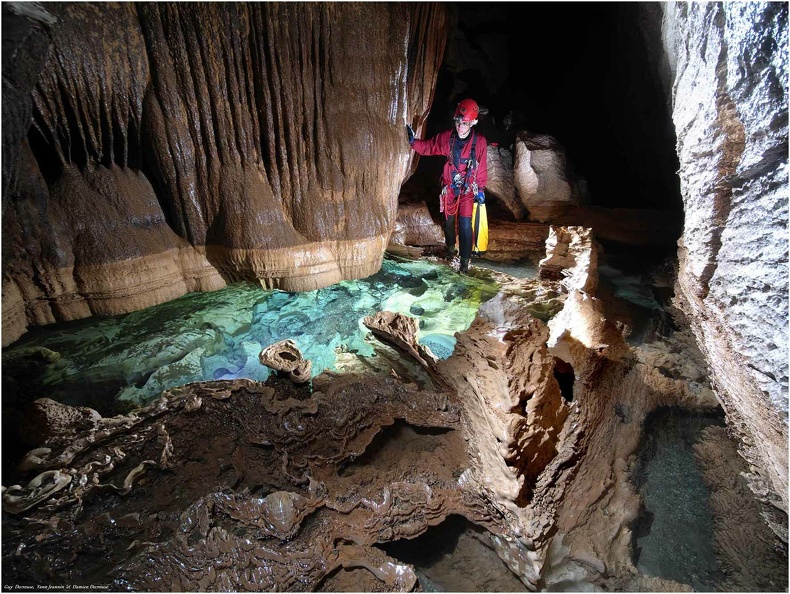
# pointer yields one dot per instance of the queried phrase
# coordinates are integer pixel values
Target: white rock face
(729, 96)
(500, 180)
(542, 177)
(572, 256)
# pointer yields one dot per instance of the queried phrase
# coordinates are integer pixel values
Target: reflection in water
(210, 336)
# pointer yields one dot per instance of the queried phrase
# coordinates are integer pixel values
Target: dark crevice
(46, 156)
(455, 556)
(563, 373)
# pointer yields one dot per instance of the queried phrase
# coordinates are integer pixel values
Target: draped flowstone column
(178, 147)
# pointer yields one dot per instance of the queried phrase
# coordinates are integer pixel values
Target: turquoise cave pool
(132, 358)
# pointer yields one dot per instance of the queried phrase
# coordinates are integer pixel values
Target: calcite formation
(543, 177)
(728, 69)
(515, 241)
(415, 226)
(285, 356)
(571, 258)
(500, 180)
(178, 147)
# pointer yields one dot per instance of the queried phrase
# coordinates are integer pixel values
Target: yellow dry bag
(479, 229)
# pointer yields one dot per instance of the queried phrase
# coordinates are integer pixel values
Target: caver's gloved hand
(411, 134)
(481, 197)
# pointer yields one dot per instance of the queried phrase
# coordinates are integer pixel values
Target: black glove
(411, 134)
(481, 197)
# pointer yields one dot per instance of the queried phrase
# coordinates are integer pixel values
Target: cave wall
(174, 147)
(729, 72)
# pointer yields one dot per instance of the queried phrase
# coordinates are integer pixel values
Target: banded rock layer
(179, 147)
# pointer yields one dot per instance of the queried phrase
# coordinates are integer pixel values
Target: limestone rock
(571, 255)
(500, 180)
(176, 148)
(414, 226)
(514, 241)
(729, 96)
(286, 357)
(581, 329)
(401, 330)
(543, 178)
(281, 356)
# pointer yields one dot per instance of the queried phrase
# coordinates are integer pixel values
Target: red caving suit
(440, 145)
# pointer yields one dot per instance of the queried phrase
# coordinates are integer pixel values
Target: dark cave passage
(581, 73)
(563, 373)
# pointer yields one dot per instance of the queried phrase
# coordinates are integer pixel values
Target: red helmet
(467, 110)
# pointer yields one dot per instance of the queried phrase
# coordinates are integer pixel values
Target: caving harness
(450, 198)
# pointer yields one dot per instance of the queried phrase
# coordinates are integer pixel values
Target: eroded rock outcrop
(572, 258)
(500, 180)
(285, 357)
(729, 97)
(543, 178)
(514, 241)
(290, 474)
(179, 147)
(415, 226)
(277, 439)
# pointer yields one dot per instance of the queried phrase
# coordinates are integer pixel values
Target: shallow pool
(218, 335)
(674, 535)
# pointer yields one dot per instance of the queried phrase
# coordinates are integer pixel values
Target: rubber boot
(449, 253)
(464, 269)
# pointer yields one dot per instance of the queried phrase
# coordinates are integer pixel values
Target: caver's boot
(449, 253)
(464, 269)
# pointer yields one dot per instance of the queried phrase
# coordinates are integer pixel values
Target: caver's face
(463, 127)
